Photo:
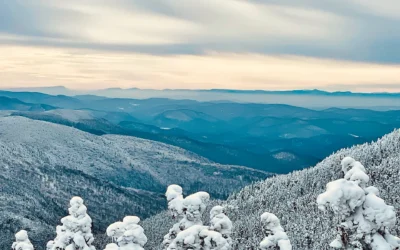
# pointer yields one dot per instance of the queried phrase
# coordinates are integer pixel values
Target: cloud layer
(80, 69)
(245, 44)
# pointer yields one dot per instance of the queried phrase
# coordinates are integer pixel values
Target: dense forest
(341, 203)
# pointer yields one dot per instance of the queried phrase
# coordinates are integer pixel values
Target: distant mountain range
(61, 90)
(271, 137)
(315, 98)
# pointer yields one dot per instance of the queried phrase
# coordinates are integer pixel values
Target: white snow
(189, 232)
(75, 231)
(22, 241)
(188, 239)
(220, 222)
(128, 234)
(175, 200)
(71, 115)
(276, 236)
(284, 156)
(365, 217)
(29, 143)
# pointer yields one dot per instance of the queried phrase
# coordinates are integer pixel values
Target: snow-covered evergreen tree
(188, 239)
(221, 223)
(193, 207)
(190, 233)
(128, 234)
(365, 218)
(276, 237)
(213, 240)
(75, 232)
(22, 241)
(175, 200)
(175, 207)
(112, 246)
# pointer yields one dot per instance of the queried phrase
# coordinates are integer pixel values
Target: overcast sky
(200, 44)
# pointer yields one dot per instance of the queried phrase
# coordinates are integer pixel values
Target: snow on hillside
(71, 115)
(293, 198)
(126, 161)
(44, 164)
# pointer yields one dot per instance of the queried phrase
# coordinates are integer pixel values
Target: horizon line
(233, 91)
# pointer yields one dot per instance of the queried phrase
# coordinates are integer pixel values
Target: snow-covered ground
(42, 165)
(123, 160)
(71, 115)
(293, 199)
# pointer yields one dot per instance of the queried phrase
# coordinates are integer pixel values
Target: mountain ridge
(237, 91)
(292, 198)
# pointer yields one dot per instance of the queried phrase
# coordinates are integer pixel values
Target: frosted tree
(193, 234)
(221, 223)
(22, 241)
(365, 218)
(188, 239)
(128, 234)
(213, 240)
(112, 246)
(193, 207)
(175, 207)
(276, 237)
(175, 199)
(75, 232)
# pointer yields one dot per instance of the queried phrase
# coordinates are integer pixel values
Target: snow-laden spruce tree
(221, 223)
(112, 246)
(213, 240)
(22, 241)
(365, 218)
(276, 237)
(75, 232)
(189, 232)
(175, 207)
(128, 234)
(193, 207)
(175, 201)
(188, 239)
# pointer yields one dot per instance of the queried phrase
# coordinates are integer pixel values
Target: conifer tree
(366, 219)
(75, 232)
(128, 235)
(276, 237)
(22, 241)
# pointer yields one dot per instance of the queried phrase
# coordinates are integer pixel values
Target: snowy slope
(293, 198)
(43, 165)
(71, 115)
(126, 161)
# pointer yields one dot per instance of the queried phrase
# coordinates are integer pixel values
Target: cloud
(204, 22)
(387, 8)
(80, 68)
(332, 44)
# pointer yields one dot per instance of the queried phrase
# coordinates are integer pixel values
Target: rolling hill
(44, 164)
(253, 135)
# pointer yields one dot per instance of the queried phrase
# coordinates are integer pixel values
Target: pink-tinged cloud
(22, 66)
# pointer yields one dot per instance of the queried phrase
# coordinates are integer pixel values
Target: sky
(201, 44)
